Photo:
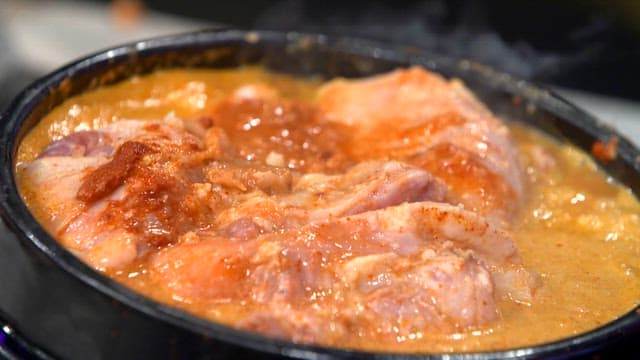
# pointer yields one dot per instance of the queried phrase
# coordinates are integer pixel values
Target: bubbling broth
(391, 213)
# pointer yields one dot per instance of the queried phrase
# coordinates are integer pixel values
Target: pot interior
(325, 57)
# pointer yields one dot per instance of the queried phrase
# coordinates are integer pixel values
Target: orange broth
(578, 229)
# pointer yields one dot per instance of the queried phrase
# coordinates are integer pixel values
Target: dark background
(588, 45)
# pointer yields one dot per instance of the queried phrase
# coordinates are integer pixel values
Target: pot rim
(20, 220)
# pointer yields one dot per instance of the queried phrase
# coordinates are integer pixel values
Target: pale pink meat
(367, 186)
(443, 291)
(57, 179)
(58, 173)
(409, 112)
(80, 143)
(298, 326)
(392, 266)
(406, 236)
(315, 197)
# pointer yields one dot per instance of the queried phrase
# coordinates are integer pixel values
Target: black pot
(57, 306)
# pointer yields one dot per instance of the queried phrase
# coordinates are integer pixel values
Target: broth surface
(577, 229)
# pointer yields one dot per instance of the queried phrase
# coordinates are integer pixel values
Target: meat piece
(95, 228)
(101, 142)
(317, 197)
(407, 228)
(243, 228)
(408, 99)
(295, 325)
(366, 186)
(258, 213)
(377, 214)
(422, 266)
(255, 91)
(441, 292)
(277, 267)
(470, 182)
(113, 250)
(54, 182)
(216, 139)
(435, 222)
(467, 299)
(102, 246)
(262, 126)
(405, 113)
(440, 223)
(211, 268)
(162, 134)
(81, 143)
(105, 179)
(542, 158)
(248, 177)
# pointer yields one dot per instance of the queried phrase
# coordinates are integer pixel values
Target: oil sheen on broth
(565, 263)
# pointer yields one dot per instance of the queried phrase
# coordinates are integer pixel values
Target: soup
(393, 213)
